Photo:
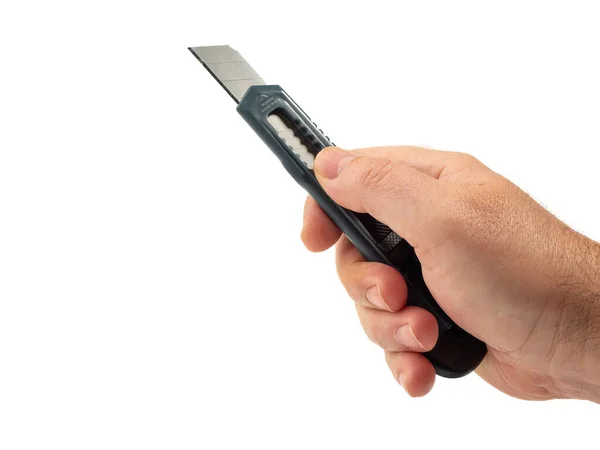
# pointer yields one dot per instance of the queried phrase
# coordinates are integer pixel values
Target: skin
(500, 265)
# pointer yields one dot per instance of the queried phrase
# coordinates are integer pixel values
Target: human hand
(500, 265)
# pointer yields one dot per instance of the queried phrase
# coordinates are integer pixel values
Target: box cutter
(296, 140)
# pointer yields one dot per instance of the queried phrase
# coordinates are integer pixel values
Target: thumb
(401, 197)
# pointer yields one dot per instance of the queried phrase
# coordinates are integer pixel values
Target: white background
(154, 292)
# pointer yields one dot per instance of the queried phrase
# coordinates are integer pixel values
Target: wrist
(577, 334)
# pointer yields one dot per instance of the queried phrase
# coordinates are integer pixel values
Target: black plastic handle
(457, 352)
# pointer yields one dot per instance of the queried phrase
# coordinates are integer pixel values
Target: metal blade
(228, 67)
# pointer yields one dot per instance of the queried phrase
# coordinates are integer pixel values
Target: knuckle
(390, 360)
(375, 334)
(465, 159)
(377, 176)
(350, 283)
(361, 311)
(373, 330)
(458, 163)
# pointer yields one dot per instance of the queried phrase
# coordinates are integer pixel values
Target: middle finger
(369, 284)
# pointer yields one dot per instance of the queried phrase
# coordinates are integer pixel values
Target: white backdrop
(154, 292)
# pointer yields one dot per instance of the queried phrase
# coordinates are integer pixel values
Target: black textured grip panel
(385, 238)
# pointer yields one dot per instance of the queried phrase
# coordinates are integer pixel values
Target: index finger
(318, 231)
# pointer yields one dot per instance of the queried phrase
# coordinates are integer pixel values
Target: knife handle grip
(456, 352)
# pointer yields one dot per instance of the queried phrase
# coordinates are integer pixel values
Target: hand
(500, 265)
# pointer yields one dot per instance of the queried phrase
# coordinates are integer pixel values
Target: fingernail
(331, 162)
(374, 297)
(406, 338)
